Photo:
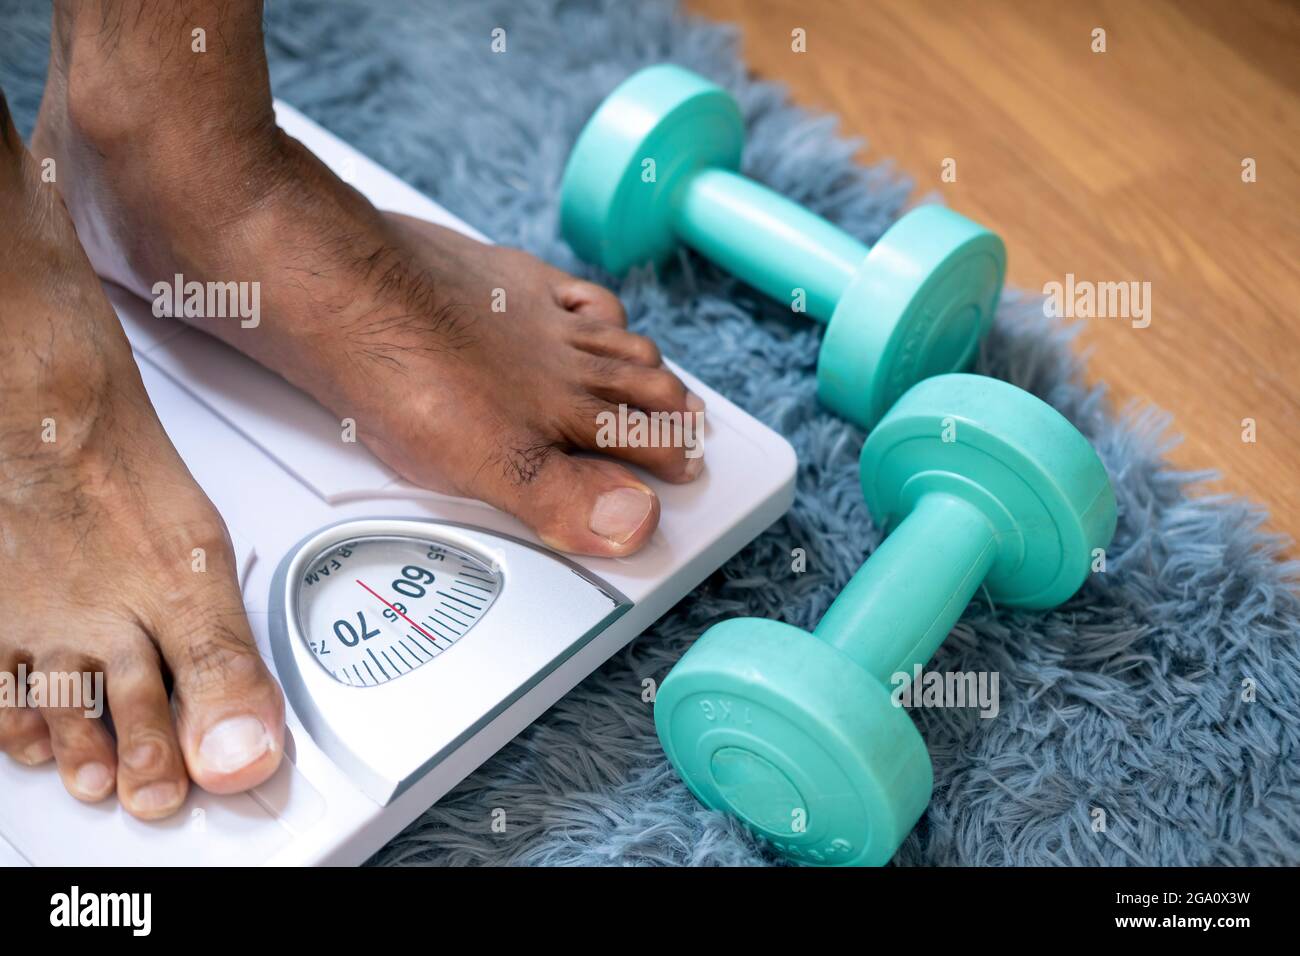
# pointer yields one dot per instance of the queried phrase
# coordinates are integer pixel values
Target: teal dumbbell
(656, 166)
(796, 733)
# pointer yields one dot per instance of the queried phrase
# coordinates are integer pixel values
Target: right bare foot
(173, 164)
(99, 522)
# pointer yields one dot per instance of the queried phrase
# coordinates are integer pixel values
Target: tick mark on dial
(452, 597)
(448, 626)
(377, 664)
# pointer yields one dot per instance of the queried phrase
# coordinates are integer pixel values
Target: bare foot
(99, 522)
(471, 369)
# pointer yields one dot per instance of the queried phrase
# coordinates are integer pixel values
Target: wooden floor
(1117, 166)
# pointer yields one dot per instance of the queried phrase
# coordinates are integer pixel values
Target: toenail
(93, 779)
(694, 466)
(38, 752)
(619, 513)
(233, 744)
(693, 402)
(156, 797)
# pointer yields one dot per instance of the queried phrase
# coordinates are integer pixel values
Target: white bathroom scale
(414, 633)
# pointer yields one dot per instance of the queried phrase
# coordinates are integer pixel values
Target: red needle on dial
(396, 611)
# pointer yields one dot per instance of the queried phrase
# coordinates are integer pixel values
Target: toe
(603, 338)
(83, 748)
(646, 416)
(669, 445)
(652, 389)
(578, 505)
(24, 736)
(229, 711)
(151, 778)
(589, 300)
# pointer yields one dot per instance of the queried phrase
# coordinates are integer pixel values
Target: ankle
(190, 77)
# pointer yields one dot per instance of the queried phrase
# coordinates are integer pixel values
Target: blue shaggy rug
(1133, 700)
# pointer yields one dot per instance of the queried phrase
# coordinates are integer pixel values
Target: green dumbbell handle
(774, 244)
(896, 611)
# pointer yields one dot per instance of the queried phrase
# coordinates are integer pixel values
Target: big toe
(578, 505)
(229, 710)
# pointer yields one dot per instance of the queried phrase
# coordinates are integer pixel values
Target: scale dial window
(374, 609)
